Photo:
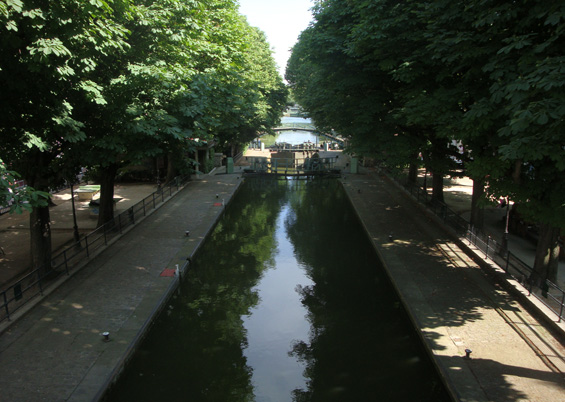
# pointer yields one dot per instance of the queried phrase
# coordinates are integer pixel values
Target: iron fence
(547, 292)
(64, 262)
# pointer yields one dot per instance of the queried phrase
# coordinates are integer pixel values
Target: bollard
(468, 353)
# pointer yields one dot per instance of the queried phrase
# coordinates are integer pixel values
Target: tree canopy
(104, 83)
(408, 79)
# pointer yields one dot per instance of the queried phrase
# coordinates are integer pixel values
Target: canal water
(286, 301)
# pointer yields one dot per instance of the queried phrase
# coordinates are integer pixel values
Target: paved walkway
(457, 306)
(57, 352)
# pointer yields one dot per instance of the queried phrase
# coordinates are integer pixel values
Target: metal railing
(33, 284)
(547, 292)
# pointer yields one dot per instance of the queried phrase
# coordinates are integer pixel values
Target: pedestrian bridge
(296, 126)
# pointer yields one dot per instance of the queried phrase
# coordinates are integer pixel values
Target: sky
(281, 20)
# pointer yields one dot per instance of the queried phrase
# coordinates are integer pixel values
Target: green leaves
(489, 74)
(16, 195)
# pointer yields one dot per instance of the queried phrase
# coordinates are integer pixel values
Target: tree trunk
(40, 238)
(107, 178)
(477, 212)
(39, 218)
(437, 186)
(171, 170)
(547, 257)
(413, 173)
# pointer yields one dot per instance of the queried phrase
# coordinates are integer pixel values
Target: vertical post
(153, 200)
(486, 251)
(6, 306)
(560, 312)
(143, 203)
(39, 279)
(86, 242)
(75, 226)
(65, 258)
(507, 260)
(505, 236)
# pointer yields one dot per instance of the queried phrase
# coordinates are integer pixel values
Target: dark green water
(286, 301)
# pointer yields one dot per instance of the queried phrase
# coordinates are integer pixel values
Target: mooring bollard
(468, 353)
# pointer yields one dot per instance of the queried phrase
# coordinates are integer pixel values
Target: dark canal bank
(285, 301)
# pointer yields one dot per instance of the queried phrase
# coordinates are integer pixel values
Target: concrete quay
(457, 306)
(56, 352)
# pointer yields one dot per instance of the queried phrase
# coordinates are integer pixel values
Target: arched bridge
(296, 126)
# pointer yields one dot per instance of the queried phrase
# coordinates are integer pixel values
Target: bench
(86, 193)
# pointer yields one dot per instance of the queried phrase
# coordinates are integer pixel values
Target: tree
(49, 49)
(108, 83)
(514, 127)
(359, 70)
(483, 73)
(177, 84)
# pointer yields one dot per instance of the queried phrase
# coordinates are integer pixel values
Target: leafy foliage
(105, 83)
(407, 78)
(18, 197)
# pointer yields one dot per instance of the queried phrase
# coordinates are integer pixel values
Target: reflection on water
(296, 137)
(276, 322)
(285, 301)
